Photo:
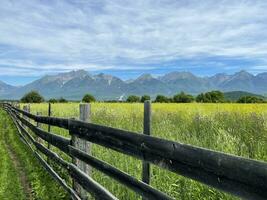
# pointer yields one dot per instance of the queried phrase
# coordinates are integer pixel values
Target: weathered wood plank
(56, 140)
(57, 177)
(83, 145)
(94, 188)
(38, 124)
(24, 131)
(120, 176)
(53, 121)
(52, 155)
(236, 175)
(49, 126)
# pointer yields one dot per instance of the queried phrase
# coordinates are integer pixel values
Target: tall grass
(232, 128)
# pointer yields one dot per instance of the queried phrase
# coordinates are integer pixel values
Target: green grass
(232, 128)
(43, 186)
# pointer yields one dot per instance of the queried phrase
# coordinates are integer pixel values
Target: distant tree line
(208, 97)
(251, 99)
(181, 97)
(35, 97)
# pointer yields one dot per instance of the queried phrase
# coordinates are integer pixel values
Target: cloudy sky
(130, 37)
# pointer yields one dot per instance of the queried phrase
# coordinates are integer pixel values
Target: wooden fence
(238, 176)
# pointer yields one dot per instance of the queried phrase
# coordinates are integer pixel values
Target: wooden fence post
(17, 106)
(26, 108)
(147, 131)
(49, 127)
(38, 124)
(85, 115)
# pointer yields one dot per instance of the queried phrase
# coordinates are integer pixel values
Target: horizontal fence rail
(238, 176)
(40, 147)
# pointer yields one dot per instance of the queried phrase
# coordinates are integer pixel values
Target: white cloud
(59, 35)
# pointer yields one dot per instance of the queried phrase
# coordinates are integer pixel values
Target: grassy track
(232, 128)
(10, 185)
(21, 176)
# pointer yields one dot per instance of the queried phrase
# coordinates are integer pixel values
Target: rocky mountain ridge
(73, 85)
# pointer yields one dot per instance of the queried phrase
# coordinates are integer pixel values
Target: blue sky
(127, 38)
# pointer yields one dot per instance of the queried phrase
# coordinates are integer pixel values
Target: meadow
(239, 129)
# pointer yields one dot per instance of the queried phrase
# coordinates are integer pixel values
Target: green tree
(62, 100)
(162, 99)
(88, 98)
(145, 98)
(217, 96)
(183, 98)
(201, 98)
(211, 97)
(250, 99)
(133, 98)
(32, 97)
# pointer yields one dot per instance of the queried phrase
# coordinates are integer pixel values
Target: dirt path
(20, 169)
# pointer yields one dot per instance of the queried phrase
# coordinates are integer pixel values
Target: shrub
(32, 97)
(88, 98)
(183, 98)
(133, 98)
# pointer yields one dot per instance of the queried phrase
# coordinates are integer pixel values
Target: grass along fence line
(189, 186)
(21, 175)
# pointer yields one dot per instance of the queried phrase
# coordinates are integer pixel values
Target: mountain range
(73, 85)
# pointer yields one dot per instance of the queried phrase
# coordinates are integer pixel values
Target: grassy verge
(10, 186)
(42, 185)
